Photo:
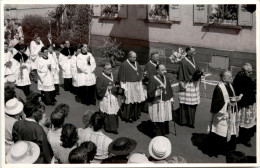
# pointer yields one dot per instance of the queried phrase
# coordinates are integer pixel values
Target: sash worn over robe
(45, 81)
(192, 94)
(34, 57)
(22, 75)
(225, 120)
(160, 107)
(130, 78)
(108, 100)
(86, 76)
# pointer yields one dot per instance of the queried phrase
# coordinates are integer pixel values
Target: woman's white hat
(160, 147)
(23, 152)
(137, 158)
(13, 106)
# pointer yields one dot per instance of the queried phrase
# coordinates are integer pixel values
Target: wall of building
(239, 46)
(183, 33)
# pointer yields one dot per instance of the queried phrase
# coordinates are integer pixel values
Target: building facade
(224, 35)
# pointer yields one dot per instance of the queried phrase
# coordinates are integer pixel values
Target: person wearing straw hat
(29, 130)
(22, 67)
(160, 97)
(160, 149)
(138, 158)
(23, 152)
(108, 100)
(120, 148)
(13, 113)
(224, 125)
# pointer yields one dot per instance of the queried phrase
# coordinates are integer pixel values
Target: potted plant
(111, 51)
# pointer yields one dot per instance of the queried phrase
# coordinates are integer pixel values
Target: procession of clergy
(125, 95)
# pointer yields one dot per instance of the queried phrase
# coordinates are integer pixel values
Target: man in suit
(48, 40)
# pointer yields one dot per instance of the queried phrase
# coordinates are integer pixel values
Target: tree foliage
(73, 23)
(34, 24)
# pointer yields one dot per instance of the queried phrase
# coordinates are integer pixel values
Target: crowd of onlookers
(30, 138)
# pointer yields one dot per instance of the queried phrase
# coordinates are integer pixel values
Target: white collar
(191, 62)
(163, 84)
(135, 68)
(30, 119)
(153, 63)
(112, 78)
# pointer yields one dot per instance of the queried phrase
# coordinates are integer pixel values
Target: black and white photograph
(135, 84)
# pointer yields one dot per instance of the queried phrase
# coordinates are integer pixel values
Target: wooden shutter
(141, 11)
(122, 11)
(96, 10)
(175, 12)
(200, 13)
(245, 18)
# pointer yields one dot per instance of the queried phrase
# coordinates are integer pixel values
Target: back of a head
(57, 118)
(97, 121)
(9, 91)
(78, 155)
(64, 108)
(69, 135)
(91, 148)
(235, 157)
(30, 107)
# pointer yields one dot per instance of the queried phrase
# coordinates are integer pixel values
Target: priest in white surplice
(8, 58)
(86, 65)
(130, 78)
(56, 69)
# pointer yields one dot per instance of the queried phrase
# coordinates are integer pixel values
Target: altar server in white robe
(22, 67)
(56, 69)
(65, 64)
(35, 48)
(86, 77)
(7, 61)
(75, 70)
(45, 71)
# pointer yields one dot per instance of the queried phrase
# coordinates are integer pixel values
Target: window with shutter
(96, 10)
(200, 13)
(122, 11)
(141, 11)
(175, 12)
(109, 11)
(245, 18)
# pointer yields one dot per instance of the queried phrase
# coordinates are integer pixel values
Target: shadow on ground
(146, 127)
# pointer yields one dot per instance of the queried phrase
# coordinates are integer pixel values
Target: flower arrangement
(224, 14)
(110, 11)
(177, 56)
(159, 13)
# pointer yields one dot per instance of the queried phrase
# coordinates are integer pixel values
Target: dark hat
(122, 146)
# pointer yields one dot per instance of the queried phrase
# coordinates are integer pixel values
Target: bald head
(132, 56)
(226, 76)
(247, 68)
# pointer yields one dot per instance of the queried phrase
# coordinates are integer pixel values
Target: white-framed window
(159, 13)
(110, 11)
(234, 15)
